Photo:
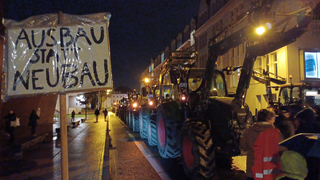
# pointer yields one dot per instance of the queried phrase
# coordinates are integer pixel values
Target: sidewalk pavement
(88, 154)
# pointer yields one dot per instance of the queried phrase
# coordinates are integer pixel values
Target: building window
(312, 64)
(258, 65)
(162, 57)
(275, 64)
(231, 16)
(267, 63)
(241, 8)
(236, 13)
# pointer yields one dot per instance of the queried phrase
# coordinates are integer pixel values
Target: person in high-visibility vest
(267, 163)
(266, 118)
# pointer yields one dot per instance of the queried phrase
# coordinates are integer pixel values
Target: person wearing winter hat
(294, 166)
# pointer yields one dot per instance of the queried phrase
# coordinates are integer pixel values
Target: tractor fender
(204, 121)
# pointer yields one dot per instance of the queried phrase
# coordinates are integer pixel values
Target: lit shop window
(311, 64)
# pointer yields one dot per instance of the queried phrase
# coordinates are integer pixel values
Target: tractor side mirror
(174, 76)
(144, 91)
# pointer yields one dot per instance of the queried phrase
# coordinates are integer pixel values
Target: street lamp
(260, 30)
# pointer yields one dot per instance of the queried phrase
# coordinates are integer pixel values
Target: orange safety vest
(267, 163)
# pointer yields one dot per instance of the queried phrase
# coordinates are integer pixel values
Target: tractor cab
(297, 96)
(133, 101)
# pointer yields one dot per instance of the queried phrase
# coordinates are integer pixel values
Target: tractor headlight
(183, 98)
(135, 105)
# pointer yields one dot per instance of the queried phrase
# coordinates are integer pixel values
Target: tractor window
(194, 83)
(311, 96)
(284, 96)
(167, 89)
(218, 84)
(296, 95)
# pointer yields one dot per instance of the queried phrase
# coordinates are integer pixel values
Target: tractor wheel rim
(161, 132)
(187, 152)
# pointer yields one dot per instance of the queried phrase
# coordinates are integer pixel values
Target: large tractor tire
(135, 121)
(143, 125)
(167, 135)
(152, 130)
(197, 150)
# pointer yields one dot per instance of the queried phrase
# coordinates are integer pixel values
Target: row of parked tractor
(171, 115)
(188, 112)
(139, 114)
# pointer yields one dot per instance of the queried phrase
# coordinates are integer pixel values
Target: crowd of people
(276, 150)
(11, 120)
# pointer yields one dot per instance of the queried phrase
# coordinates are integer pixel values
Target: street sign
(58, 57)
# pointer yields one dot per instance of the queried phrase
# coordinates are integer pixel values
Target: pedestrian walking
(10, 127)
(105, 112)
(266, 118)
(33, 122)
(73, 114)
(97, 112)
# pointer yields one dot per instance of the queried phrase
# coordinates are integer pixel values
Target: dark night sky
(139, 29)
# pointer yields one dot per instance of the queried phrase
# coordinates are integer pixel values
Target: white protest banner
(59, 57)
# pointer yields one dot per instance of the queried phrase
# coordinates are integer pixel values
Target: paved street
(86, 151)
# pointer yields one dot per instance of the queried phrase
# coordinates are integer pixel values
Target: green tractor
(180, 121)
(133, 111)
(199, 121)
(148, 109)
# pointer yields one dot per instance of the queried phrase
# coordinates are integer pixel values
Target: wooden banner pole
(64, 138)
(63, 128)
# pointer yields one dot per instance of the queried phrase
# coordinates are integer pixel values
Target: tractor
(297, 97)
(294, 97)
(133, 111)
(149, 102)
(198, 122)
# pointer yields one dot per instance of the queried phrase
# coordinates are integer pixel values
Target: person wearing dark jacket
(105, 112)
(266, 118)
(284, 124)
(73, 114)
(33, 122)
(97, 112)
(307, 122)
(11, 116)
